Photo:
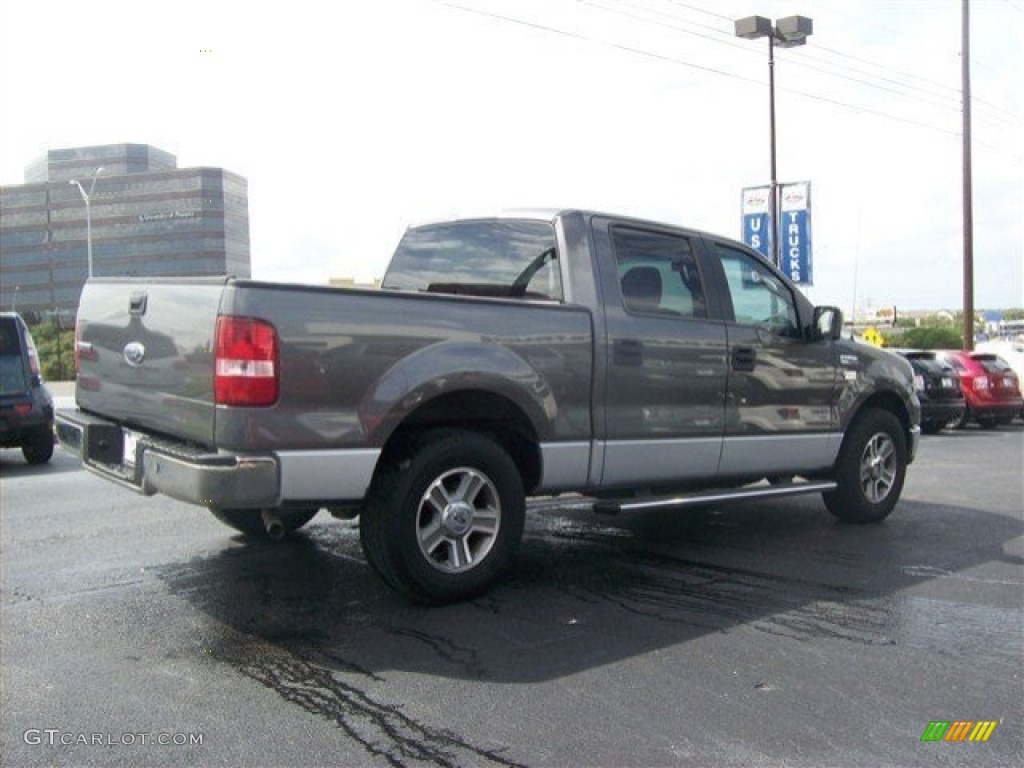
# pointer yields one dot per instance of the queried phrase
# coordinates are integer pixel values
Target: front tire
(870, 470)
(250, 521)
(444, 516)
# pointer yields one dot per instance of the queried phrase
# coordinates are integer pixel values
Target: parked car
(1010, 350)
(990, 386)
(938, 388)
(26, 408)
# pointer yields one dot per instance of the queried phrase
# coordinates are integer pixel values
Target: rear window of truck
(505, 258)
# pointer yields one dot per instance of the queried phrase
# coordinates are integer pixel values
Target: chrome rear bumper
(149, 465)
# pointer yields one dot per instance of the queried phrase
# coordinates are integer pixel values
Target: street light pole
(88, 215)
(774, 183)
(788, 33)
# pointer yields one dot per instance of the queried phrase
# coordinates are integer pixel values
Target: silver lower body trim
(654, 461)
(764, 454)
(327, 474)
(566, 466)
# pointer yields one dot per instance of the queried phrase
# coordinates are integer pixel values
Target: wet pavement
(762, 633)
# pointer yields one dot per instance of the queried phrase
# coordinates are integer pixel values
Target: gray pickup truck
(538, 353)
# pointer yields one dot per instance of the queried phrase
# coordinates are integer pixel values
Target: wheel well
(497, 417)
(885, 401)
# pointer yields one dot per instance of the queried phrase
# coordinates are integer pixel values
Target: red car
(990, 386)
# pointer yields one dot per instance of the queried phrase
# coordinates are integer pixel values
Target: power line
(586, 38)
(940, 95)
(691, 65)
(726, 38)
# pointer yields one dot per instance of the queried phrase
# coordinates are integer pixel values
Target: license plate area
(104, 444)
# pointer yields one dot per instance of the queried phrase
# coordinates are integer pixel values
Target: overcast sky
(351, 120)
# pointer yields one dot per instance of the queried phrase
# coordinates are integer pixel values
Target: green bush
(928, 337)
(56, 360)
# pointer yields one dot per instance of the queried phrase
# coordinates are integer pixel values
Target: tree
(55, 342)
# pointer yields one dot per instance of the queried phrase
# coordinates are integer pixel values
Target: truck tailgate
(145, 353)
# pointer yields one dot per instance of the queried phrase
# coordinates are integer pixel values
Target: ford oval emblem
(135, 353)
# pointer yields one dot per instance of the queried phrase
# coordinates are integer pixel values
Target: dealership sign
(757, 231)
(794, 231)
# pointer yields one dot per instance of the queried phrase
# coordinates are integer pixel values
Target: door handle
(744, 359)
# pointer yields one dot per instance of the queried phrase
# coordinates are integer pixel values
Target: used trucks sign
(794, 230)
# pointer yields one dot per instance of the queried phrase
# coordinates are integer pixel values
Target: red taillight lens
(33, 355)
(245, 362)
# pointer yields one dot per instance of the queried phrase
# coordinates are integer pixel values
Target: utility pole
(965, 76)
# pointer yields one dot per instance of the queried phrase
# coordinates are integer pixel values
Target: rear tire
(870, 470)
(444, 517)
(39, 448)
(250, 521)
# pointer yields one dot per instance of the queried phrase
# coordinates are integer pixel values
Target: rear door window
(658, 273)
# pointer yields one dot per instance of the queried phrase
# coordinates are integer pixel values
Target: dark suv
(938, 389)
(26, 409)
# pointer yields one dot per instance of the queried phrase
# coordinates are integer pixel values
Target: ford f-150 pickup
(537, 353)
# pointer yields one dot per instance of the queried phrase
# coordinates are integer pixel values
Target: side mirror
(828, 323)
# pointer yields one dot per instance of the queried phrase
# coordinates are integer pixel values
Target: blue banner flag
(757, 222)
(795, 233)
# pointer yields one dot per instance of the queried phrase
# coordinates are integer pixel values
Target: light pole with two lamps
(88, 214)
(786, 33)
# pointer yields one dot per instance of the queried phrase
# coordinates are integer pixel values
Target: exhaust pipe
(272, 524)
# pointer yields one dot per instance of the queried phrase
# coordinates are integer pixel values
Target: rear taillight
(245, 362)
(33, 355)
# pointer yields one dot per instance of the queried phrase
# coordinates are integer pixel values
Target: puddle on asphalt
(310, 621)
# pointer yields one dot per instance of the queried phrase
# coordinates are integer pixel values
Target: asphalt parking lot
(142, 632)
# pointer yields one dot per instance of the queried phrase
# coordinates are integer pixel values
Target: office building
(146, 217)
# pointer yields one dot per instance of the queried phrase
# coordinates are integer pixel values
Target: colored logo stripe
(982, 731)
(935, 731)
(958, 730)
